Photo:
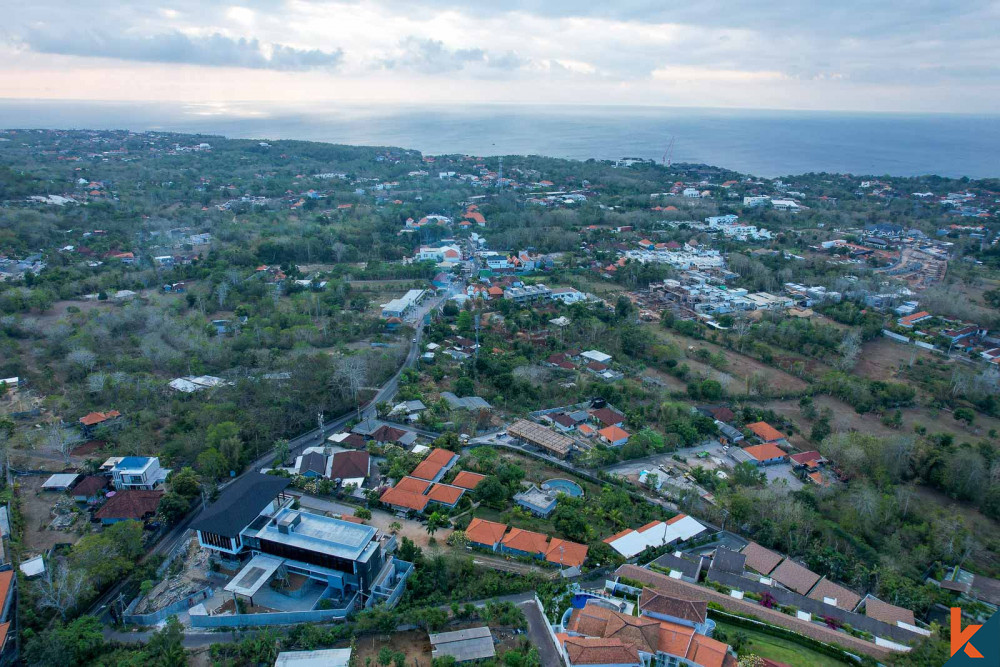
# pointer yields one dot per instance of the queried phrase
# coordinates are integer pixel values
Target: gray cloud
(216, 50)
(431, 56)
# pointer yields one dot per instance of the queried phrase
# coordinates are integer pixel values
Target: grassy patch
(780, 650)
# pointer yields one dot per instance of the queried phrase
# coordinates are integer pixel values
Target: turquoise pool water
(563, 486)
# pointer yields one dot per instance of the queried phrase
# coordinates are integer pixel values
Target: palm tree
(395, 527)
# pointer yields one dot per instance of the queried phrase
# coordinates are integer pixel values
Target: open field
(776, 649)
(738, 366)
(881, 358)
(37, 508)
(845, 418)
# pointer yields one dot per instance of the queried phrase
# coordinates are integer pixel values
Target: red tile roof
(468, 480)
(130, 504)
(765, 431)
(526, 541)
(614, 434)
(485, 532)
(90, 485)
(600, 651)
(98, 417)
(413, 485)
(445, 494)
(427, 470)
(765, 452)
(352, 464)
(607, 416)
(566, 553)
(440, 456)
(400, 498)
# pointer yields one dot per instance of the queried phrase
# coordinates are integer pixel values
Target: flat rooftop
(320, 533)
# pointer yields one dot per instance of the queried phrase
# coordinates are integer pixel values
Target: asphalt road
(310, 439)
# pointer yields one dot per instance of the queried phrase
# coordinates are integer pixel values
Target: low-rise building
(536, 501)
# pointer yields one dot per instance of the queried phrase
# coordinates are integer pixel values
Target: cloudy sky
(917, 55)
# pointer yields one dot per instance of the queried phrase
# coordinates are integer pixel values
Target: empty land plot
(881, 358)
(739, 366)
(37, 509)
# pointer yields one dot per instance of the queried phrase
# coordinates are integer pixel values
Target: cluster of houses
(594, 362)
(124, 488)
(423, 486)
(656, 629)
(500, 538)
(594, 422)
(927, 329)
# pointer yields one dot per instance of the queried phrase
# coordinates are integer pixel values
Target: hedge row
(782, 633)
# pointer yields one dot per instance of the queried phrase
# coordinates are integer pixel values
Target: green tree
(173, 507)
(363, 513)
(76, 643)
(185, 482)
(211, 463)
(166, 647)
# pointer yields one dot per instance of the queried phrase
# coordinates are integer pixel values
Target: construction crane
(669, 153)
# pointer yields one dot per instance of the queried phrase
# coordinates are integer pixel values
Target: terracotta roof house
(350, 465)
(614, 435)
(765, 432)
(766, 454)
(565, 553)
(760, 559)
(831, 593)
(94, 418)
(445, 494)
(809, 460)
(887, 613)
(608, 417)
(468, 480)
(486, 534)
(402, 500)
(129, 505)
(594, 620)
(525, 543)
(794, 576)
(90, 489)
(599, 651)
(437, 463)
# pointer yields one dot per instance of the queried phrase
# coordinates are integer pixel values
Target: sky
(912, 56)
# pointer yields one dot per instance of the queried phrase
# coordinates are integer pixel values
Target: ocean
(763, 143)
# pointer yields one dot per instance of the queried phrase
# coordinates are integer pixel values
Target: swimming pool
(563, 486)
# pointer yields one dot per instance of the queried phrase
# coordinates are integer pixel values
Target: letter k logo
(960, 637)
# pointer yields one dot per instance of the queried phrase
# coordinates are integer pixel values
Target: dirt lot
(413, 643)
(37, 507)
(880, 359)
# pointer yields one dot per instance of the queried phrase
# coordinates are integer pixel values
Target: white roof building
(331, 657)
(630, 543)
(594, 355)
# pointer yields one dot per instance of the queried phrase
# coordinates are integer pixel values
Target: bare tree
(741, 327)
(849, 349)
(55, 438)
(221, 292)
(83, 358)
(351, 376)
(338, 249)
(61, 588)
